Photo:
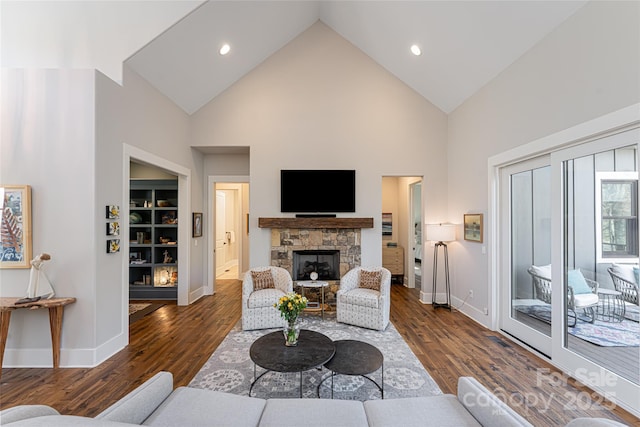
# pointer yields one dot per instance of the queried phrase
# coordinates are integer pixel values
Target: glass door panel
(526, 252)
(601, 232)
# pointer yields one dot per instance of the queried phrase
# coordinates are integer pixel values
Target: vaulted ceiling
(464, 44)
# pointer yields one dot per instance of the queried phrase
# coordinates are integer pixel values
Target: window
(617, 216)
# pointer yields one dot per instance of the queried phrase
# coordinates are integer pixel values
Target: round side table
(610, 306)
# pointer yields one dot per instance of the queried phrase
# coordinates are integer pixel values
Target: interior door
(220, 234)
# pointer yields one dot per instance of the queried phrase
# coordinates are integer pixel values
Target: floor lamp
(441, 233)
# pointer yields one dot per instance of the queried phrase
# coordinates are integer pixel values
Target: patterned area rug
(605, 334)
(231, 370)
(137, 307)
(138, 310)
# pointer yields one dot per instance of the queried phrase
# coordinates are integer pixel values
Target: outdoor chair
(582, 292)
(624, 285)
(262, 287)
(364, 298)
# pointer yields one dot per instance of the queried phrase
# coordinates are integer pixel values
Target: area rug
(138, 310)
(605, 334)
(230, 369)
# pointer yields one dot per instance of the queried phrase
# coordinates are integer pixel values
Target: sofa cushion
(370, 279)
(136, 406)
(196, 407)
(360, 296)
(585, 300)
(313, 413)
(543, 271)
(264, 298)
(262, 280)
(21, 412)
(625, 271)
(486, 407)
(442, 411)
(66, 421)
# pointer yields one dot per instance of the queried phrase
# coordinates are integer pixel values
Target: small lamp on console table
(441, 233)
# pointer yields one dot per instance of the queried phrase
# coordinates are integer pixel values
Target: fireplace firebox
(324, 262)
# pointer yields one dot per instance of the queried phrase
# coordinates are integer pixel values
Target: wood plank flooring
(180, 340)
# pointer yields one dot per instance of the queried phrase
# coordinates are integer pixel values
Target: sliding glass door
(599, 241)
(526, 241)
(569, 244)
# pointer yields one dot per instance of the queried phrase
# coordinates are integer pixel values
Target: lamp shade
(441, 232)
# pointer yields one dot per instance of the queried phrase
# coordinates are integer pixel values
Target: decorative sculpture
(39, 284)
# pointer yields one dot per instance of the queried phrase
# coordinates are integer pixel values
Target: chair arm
(593, 285)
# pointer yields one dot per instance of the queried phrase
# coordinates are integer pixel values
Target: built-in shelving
(153, 239)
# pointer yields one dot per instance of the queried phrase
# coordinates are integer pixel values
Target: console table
(56, 310)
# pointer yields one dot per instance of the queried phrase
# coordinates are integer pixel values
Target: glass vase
(291, 332)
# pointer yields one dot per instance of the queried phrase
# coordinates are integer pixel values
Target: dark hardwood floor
(180, 340)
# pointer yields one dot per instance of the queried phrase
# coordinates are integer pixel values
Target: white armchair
(258, 311)
(361, 306)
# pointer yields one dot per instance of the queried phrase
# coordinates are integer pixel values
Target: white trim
(212, 180)
(184, 230)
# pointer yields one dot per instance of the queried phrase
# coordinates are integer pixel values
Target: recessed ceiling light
(415, 49)
(224, 49)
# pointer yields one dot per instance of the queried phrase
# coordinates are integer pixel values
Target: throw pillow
(543, 271)
(262, 280)
(577, 282)
(636, 272)
(625, 271)
(370, 279)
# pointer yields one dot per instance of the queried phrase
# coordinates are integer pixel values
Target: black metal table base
(333, 374)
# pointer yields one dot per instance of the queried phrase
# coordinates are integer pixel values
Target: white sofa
(156, 403)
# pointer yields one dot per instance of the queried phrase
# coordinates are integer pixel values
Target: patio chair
(622, 284)
(582, 292)
(262, 287)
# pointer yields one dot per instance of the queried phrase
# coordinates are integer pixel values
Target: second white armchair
(364, 298)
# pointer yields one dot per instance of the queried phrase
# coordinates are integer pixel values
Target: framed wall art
(15, 226)
(113, 228)
(387, 224)
(197, 224)
(113, 246)
(473, 227)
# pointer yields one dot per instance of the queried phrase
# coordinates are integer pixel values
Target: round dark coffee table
(355, 358)
(269, 352)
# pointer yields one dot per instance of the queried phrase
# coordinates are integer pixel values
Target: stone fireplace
(339, 247)
(326, 263)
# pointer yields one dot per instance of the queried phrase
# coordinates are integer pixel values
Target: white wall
(587, 67)
(321, 103)
(47, 141)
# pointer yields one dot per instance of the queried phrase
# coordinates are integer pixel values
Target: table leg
(322, 302)
(55, 323)
(4, 332)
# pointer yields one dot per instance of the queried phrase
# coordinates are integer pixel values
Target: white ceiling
(465, 44)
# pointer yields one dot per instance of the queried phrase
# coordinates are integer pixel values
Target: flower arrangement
(291, 305)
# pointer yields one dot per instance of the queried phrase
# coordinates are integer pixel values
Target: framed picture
(113, 228)
(387, 224)
(15, 225)
(113, 212)
(197, 224)
(113, 246)
(473, 227)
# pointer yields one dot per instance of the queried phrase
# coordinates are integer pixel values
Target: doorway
(229, 233)
(402, 213)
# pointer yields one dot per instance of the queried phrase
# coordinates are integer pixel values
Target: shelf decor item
(473, 227)
(290, 307)
(197, 224)
(15, 225)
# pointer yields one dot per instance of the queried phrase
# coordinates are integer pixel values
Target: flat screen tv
(317, 191)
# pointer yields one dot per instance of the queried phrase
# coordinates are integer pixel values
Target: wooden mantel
(320, 222)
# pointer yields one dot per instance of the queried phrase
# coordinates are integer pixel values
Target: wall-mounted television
(317, 191)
